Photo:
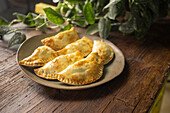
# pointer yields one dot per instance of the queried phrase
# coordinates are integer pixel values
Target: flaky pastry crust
(39, 57)
(57, 65)
(62, 39)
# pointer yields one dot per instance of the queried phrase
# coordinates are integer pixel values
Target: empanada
(44, 54)
(39, 57)
(84, 45)
(60, 40)
(84, 71)
(57, 65)
(104, 51)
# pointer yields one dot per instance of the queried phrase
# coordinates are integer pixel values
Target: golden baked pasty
(39, 57)
(60, 40)
(84, 71)
(104, 51)
(84, 45)
(44, 54)
(57, 65)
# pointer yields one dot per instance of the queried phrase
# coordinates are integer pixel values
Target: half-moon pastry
(39, 57)
(60, 40)
(104, 51)
(84, 45)
(44, 54)
(84, 71)
(57, 65)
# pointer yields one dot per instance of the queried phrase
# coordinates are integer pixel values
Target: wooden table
(135, 90)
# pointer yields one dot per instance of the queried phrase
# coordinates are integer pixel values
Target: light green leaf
(88, 13)
(68, 27)
(53, 16)
(92, 29)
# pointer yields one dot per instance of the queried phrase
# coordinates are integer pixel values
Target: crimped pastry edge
(99, 73)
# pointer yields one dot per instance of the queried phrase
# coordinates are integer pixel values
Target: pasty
(84, 71)
(44, 54)
(39, 57)
(60, 40)
(104, 51)
(57, 65)
(84, 45)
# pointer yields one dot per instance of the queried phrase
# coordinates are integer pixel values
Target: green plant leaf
(140, 27)
(154, 8)
(17, 38)
(39, 21)
(104, 27)
(75, 1)
(29, 20)
(92, 29)
(3, 21)
(68, 27)
(75, 17)
(79, 8)
(142, 17)
(80, 23)
(115, 26)
(116, 10)
(70, 13)
(88, 13)
(53, 16)
(5, 29)
(63, 10)
(58, 8)
(42, 27)
(126, 27)
(98, 6)
(112, 2)
(20, 16)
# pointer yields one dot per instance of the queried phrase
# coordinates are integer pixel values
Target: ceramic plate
(111, 70)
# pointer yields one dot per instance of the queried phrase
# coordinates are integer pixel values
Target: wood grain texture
(147, 64)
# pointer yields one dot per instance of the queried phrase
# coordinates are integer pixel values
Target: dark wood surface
(147, 65)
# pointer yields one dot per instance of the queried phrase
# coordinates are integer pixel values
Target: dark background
(8, 7)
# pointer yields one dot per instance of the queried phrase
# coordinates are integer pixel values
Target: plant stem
(13, 21)
(26, 28)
